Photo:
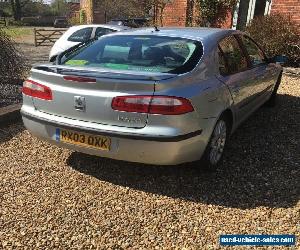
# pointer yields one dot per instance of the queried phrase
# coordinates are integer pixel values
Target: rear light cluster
(163, 105)
(34, 89)
(80, 79)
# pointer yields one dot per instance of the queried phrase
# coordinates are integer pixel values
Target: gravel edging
(10, 113)
(10, 93)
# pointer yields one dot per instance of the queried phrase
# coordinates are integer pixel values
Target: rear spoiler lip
(111, 74)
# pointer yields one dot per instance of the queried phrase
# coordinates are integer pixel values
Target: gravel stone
(53, 198)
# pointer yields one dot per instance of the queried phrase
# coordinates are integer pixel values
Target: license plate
(83, 139)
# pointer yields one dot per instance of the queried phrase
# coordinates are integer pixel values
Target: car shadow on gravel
(261, 166)
(9, 130)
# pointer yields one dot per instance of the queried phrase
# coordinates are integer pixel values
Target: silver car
(157, 96)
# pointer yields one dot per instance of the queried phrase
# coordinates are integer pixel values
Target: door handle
(236, 90)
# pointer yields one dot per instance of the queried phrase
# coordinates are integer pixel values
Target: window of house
(233, 55)
(81, 35)
(260, 7)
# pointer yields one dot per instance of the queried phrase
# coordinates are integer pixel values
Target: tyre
(272, 101)
(213, 154)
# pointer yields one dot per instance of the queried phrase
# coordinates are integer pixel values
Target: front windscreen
(138, 53)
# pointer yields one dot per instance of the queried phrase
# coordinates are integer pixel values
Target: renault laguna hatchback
(153, 96)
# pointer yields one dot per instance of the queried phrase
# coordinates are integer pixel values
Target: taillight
(163, 105)
(34, 89)
(80, 79)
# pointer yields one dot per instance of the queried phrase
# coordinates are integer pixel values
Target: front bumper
(157, 150)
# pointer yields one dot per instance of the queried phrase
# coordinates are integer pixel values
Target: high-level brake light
(163, 105)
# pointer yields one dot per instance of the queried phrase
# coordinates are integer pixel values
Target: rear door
(88, 96)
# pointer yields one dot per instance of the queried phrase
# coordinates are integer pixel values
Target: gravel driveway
(55, 198)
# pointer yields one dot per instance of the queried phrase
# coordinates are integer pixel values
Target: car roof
(194, 33)
(109, 26)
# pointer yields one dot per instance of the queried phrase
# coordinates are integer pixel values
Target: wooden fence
(47, 37)
(2, 21)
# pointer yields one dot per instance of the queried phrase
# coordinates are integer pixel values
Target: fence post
(35, 42)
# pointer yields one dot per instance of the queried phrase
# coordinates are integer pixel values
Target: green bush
(278, 35)
(12, 22)
(75, 20)
(12, 63)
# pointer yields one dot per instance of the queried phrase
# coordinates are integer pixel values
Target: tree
(120, 8)
(59, 8)
(16, 7)
(36, 8)
(214, 12)
(133, 8)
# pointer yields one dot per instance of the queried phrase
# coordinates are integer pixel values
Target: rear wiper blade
(72, 49)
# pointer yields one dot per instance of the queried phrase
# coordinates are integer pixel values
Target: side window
(233, 55)
(102, 31)
(255, 53)
(81, 35)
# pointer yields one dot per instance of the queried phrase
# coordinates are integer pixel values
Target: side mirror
(279, 60)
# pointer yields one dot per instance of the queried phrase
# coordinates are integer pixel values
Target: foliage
(82, 17)
(278, 35)
(36, 8)
(31, 8)
(12, 22)
(159, 5)
(214, 12)
(17, 7)
(12, 63)
(75, 20)
(59, 8)
(120, 8)
(14, 32)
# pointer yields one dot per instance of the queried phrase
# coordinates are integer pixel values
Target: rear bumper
(157, 150)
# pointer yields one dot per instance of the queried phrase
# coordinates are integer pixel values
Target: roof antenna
(155, 28)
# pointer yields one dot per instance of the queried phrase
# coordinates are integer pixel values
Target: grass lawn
(18, 31)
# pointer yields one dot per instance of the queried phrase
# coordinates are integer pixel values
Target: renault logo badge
(79, 103)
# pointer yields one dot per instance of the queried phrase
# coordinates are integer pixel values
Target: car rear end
(130, 115)
(60, 23)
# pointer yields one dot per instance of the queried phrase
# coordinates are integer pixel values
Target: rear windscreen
(139, 53)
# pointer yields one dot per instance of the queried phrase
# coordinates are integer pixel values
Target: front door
(238, 76)
(264, 73)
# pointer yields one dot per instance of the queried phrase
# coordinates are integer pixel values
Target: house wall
(97, 17)
(290, 8)
(73, 9)
(174, 13)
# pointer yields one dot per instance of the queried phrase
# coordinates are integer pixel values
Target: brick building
(73, 7)
(175, 13)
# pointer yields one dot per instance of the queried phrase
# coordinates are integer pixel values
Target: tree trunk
(189, 13)
(16, 8)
